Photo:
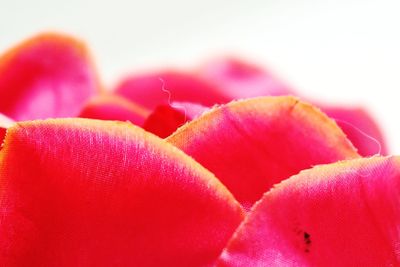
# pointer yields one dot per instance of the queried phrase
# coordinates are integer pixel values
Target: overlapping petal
(113, 107)
(50, 75)
(360, 128)
(165, 119)
(77, 192)
(162, 88)
(253, 144)
(237, 79)
(342, 214)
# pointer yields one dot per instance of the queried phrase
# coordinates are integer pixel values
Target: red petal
(237, 79)
(47, 76)
(165, 87)
(360, 128)
(79, 192)
(343, 214)
(253, 144)
(112, 107)
(165, 119)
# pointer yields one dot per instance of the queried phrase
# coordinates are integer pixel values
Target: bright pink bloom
(85, 192)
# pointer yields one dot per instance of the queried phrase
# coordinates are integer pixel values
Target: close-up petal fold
(252, 144)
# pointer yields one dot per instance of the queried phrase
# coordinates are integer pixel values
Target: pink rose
(241, 173)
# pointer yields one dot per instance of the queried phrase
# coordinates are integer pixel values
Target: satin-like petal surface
(237, 79)
(342, 214)
(154, 89)
(166, 119)
(360, 128)
(113, 107)
(250, 145)
(78, 192)
(47, 76)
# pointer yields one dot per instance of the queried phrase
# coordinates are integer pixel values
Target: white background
(338, 51)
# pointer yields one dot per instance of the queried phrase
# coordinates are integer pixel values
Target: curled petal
(78, 192)
(360, 128)
(165, 87)
(237, 79)
(47, 76)
(342, 214)
(113, 107)
(165, 119)
(253, 144)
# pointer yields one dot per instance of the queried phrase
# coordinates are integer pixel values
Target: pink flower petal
(78, 192)
(343, 214)
(360, 128)
(253, 144)
(49, 75)
(165, 119)
(237, 79)
(113, 107)
(162, 88)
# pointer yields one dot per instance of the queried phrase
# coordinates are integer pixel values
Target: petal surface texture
(253, 144)
(151, 90)
(77, 192)
(113, 107)
(341, 214)
(47, 76)
(360, 128)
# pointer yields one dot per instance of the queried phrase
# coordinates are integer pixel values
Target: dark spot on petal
(307, 240)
